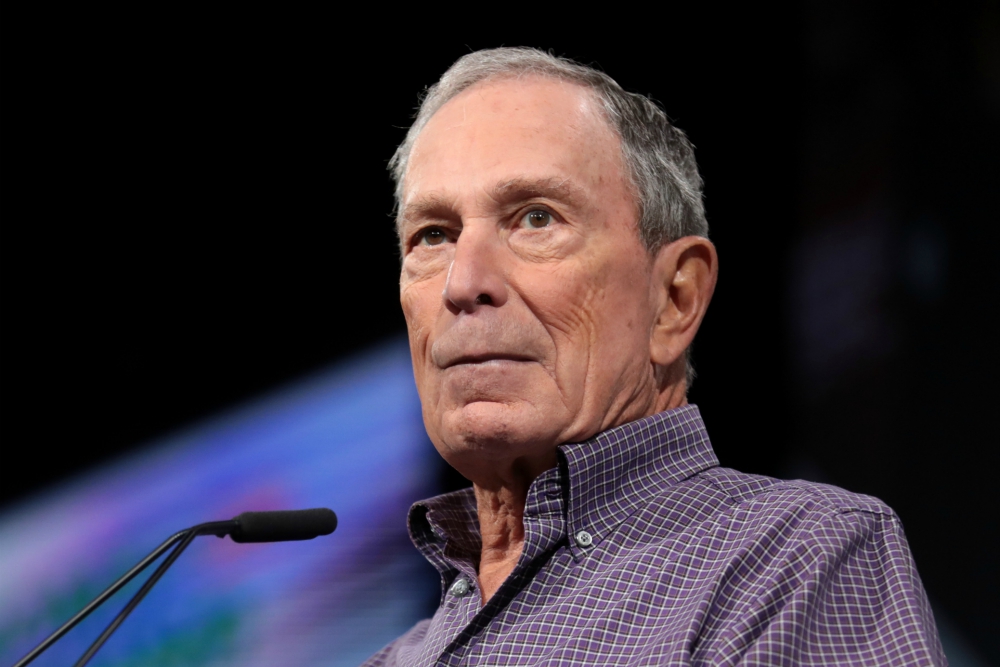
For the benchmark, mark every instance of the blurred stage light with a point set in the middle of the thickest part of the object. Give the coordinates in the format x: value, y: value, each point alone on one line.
x: 350, y: 439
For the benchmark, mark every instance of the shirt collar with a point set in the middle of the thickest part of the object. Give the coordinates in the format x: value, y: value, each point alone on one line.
x: 598, y: 484
x: 618, y: 471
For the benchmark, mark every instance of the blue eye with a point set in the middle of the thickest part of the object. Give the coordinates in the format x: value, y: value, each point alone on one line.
x: 537, y: 219
x: 433, y: 236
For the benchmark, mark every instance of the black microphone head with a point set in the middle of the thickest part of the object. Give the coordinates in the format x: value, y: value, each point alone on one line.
x: 284, y: 525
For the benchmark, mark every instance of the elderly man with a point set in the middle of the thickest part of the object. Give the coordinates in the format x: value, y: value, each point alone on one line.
x: 555, y: 270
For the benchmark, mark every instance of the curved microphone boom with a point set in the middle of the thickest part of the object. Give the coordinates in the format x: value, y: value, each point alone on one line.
x: 278, y: 526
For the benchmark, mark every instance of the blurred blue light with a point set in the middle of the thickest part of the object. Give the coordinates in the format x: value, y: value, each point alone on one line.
x: 350, y: 439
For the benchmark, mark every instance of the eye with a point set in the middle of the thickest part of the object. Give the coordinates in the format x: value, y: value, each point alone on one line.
x: 431, y: 236
x: 536, y: 219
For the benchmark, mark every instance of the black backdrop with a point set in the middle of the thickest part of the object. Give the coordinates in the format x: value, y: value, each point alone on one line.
x: 196, y: 209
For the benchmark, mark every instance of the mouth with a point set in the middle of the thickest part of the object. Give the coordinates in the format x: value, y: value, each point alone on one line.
x: 470, y: 359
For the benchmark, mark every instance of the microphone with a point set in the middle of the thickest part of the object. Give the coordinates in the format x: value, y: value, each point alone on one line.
x: 283, y: 526
x: 249, y: 527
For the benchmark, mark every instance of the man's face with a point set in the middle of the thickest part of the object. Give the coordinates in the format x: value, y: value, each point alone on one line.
x: 525, y: 286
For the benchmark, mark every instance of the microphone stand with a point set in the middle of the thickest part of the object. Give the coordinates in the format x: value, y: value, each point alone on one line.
x: 181, y: 539
x: 276, y: 526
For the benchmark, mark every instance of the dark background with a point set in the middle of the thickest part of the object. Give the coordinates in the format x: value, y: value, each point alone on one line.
x: 195, y: 209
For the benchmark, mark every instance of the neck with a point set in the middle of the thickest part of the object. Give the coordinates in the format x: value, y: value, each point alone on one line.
x: 500, y: 502
x: 501, y: 513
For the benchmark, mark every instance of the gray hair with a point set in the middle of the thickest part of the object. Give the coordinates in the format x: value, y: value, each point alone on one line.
x: 658, y: 157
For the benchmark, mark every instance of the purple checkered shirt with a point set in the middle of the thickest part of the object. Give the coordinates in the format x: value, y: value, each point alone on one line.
x: 640, y: 550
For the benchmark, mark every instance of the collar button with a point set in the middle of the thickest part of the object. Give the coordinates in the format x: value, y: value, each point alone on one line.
x: 460, y: 588
x: 584, y: 539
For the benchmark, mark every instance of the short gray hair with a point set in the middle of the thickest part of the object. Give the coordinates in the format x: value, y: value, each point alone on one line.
x: 658, y: 157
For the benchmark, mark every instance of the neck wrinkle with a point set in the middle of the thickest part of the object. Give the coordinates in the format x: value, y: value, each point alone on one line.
x: 501, y: 522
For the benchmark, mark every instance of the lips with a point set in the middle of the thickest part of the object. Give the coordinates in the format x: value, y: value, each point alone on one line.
x: 483, y: 358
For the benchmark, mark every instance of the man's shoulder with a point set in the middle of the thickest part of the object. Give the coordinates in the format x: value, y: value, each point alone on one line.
x: 750, y: 507
x: 762, y: 524
x: 744, y: 489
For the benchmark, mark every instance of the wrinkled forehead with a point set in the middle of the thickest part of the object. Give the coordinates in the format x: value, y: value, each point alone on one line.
x: 528, y: 127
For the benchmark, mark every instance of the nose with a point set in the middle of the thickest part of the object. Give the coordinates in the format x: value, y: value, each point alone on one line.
x: 475, y: 277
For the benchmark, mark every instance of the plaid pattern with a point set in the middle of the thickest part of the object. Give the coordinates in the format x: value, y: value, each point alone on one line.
x: 687, y: 564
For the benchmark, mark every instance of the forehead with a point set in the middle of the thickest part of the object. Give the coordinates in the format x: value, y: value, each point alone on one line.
x: 529, y: 128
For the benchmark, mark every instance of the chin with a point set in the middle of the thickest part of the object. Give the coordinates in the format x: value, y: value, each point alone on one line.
x: 502, y: 429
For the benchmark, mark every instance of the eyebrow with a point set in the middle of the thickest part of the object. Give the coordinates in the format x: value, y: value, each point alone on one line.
x: 432, y: 205
x: 504, y: 194
x: 518, y: 189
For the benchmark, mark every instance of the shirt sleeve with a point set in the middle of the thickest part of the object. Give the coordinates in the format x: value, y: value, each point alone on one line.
x: 847, y: 593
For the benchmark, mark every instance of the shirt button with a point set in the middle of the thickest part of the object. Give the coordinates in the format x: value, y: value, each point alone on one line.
x: 584, y: 539
x: 460, y: 588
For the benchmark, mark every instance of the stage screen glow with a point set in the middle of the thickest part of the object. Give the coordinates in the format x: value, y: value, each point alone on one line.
x: 350, y: 439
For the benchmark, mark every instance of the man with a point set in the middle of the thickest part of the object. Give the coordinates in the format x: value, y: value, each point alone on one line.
x: 556, y: 268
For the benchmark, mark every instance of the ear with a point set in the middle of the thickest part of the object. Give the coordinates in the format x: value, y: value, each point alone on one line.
x: 684, y: 275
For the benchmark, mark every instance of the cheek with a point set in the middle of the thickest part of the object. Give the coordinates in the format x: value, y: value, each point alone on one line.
x: 419, y: 315
x: 421, y: 283
x: 424, y: 263
x: 623, y: 317
x: 568, y: 299
x: 601, y: 305
x: 421, y: 303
